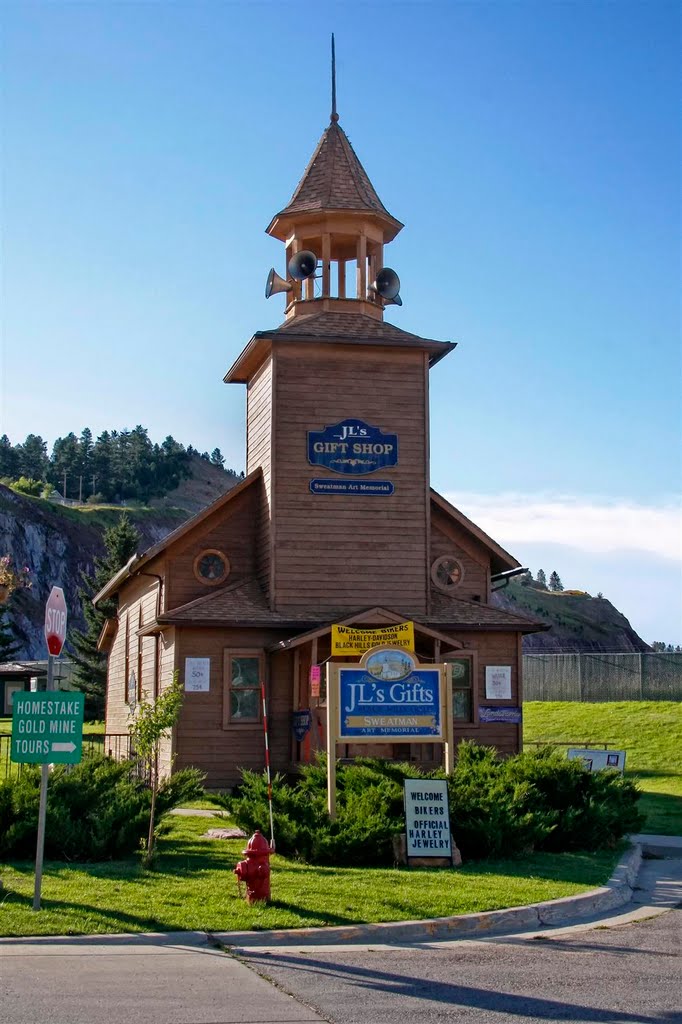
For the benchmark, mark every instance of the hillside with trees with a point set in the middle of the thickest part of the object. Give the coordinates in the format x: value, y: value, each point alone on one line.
x: 117, y: 466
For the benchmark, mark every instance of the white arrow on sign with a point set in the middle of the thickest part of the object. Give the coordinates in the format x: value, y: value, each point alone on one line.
x: 64, y: 746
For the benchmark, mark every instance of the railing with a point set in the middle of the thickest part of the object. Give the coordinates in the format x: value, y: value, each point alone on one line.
x: 114, y: 744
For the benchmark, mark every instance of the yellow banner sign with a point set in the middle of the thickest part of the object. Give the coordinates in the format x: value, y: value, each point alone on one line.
x: 348, y: 640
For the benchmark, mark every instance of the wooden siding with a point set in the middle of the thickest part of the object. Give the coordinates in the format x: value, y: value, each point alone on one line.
x: 231, y: 529
x: 448, y: 539
x: 130, y: 652
x: 494, y: 649
x: 202, y: 740
x: 259, y: 432
x: 474, y: 585
x: 349, y: 550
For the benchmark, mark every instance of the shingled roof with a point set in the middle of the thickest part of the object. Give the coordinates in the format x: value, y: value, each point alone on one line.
x: 328, y: 328
x: 335, y: 180
x: 245, y: 604
x: 345, y: 325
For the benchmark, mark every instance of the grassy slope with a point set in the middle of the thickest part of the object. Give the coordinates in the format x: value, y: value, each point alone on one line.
x: 193, y: 887
x: 649, y: 731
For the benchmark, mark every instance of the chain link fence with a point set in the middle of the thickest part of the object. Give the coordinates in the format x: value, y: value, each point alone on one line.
x: 599, y: 677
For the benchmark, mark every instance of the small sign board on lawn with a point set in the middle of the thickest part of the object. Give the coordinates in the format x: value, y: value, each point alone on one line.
x: 47, y: 728
x: 427, y: 818
x: 595, y: 760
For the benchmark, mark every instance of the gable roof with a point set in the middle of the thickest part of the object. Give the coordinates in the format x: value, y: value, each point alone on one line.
x: 500, y: 559
x: 137, y: 562
x: 335, y: 180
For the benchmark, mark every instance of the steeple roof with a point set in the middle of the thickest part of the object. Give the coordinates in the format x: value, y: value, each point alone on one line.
x: 335, y: 180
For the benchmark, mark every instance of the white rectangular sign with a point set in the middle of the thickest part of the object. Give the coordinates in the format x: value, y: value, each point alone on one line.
x: 427, y: 818
x: 498, y: 682
x: 197, y: 675
x: 595, y: 760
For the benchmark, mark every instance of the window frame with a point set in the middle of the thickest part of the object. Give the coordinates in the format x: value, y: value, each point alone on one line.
x: 229, y: 654
x: 473, y: 689
x: 226, y: 565
x: 447, y: 588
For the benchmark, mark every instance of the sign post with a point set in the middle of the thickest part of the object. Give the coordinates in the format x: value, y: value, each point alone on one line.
x: 47, y: 729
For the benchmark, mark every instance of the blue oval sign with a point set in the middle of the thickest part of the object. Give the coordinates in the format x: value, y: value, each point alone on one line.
x: 352, y: 447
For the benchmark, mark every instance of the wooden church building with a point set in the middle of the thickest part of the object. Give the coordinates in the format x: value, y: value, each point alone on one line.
x: 335, y: 521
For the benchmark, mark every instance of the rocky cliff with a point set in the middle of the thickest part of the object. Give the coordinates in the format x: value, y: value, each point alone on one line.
x: 57, y: 544
x: 579, y: 621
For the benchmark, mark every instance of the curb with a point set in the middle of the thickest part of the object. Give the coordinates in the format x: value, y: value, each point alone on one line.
x: 616, y: 893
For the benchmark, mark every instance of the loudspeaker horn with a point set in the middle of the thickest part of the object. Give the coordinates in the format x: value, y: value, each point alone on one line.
x: 302, y: 265
x: 387, y: 285
x: 275, y: 284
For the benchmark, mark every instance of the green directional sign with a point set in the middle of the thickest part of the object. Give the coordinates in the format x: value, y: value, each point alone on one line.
x: 47, y: 728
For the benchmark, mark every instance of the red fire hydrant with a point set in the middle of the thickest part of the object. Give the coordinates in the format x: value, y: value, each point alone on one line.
x: 255, y: 870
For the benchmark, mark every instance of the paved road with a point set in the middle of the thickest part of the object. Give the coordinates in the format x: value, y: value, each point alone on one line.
x: 630, y: 974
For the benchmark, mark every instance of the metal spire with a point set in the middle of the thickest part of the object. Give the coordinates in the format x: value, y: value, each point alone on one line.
x: 334, y: 115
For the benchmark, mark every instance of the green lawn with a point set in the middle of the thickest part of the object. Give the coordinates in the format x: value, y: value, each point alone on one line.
x: 649, y: 731
x: 194, y: 887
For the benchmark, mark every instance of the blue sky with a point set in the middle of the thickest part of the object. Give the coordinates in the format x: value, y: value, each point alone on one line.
x: 533, y: 152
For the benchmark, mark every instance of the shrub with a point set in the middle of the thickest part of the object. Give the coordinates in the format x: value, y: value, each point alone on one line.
x: 369, y: 811
x: 96, y: 811
x: 24, y: 485
x: 498, y: 807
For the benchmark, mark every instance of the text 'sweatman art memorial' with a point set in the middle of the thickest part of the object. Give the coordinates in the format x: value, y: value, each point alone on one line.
x: 333, y: 573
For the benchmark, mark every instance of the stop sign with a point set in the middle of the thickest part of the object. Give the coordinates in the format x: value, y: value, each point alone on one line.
x: 55, y: 621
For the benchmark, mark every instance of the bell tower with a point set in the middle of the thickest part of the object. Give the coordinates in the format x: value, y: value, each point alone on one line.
x: 337, y: 405
x: 335, y: 220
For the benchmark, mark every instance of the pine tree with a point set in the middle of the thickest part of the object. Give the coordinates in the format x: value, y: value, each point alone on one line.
x: 8, y: 642
x: 217, y: 458
x: 33, y: 460
x: 90, y: 676
x: 540, y: 578
x: 9, y: 458
x: 555, y: 583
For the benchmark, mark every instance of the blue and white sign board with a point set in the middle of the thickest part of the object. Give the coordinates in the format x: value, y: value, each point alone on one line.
x: 427, y: 818
x: 595, y: 760
x: 390, y: 697
x: 360, y: 487
x: 352, y: 447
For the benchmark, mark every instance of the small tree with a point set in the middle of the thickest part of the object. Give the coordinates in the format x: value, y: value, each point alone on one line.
x: 555, y: 583
x: 152, y: 722
x: 217, y: 458
x: 541, y: 579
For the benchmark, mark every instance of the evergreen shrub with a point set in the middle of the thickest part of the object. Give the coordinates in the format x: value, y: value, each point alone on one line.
x: 499, y: 807
x: 96, y: 811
